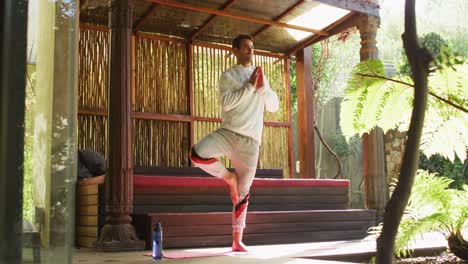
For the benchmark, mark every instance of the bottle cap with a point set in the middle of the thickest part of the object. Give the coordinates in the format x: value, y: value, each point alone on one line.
x: 157, y: 227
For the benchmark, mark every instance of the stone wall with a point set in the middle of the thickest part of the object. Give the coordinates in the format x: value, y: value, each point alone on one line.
x: 394, y: 149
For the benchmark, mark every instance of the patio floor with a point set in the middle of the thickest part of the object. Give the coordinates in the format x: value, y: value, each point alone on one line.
x: 353, y: 251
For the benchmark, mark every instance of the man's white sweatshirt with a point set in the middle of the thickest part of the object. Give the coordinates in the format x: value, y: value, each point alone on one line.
x: 242, y: 106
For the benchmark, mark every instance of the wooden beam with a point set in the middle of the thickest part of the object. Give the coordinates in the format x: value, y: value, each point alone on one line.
x: 161, y: 38
x: 89, y: 111
x: 360, y: 6
x: 94, y: 27
x: 163, y: 117
x: 225, y: 47
x: 305, y: 102
x: 276, y: 124
x: 189, y: 78
x: 315, y: 38
x: 287, y: 11
x: 292, y: 165
x: 210, y: 20
x: 237, y: 16
x: 140, y: 20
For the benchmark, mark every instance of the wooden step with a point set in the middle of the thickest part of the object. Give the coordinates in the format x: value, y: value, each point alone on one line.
x: 214, y: 229
x: 191, y: 194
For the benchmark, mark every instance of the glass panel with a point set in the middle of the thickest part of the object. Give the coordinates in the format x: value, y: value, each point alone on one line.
x: 50, y: 132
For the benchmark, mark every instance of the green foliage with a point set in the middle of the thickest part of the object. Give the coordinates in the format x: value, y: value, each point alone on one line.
x: 453, y: 170
x: 315, y: 55
x: 328, y: 73
x: 344, y: 149
x: 377, y: 101
x: 370, y: 102
x: 28, y: 182
x: 433, y: 206
x: 433, y: 42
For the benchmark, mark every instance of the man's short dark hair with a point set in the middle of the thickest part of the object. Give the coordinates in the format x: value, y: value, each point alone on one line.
x: 236, y: 42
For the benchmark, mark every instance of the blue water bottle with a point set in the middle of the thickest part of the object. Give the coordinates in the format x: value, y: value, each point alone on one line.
x: 158, y: 242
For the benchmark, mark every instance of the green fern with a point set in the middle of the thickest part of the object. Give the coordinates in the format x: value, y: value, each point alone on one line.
x: 371, y: 99
x: 432, y: 207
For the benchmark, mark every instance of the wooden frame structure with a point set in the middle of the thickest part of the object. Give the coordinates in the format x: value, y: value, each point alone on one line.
x: 124, y: 34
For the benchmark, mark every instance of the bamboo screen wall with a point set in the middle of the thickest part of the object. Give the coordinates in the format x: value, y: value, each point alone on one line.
x: 161, y: 138
x: 171, y: 111
x: 93, y: 63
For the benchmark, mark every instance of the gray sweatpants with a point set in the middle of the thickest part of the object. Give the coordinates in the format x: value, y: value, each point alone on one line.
x: 243, y: 153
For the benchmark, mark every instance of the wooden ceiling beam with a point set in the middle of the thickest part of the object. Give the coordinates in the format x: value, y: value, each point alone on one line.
x: 315, y: 38
x: 210, y: 20
x: 361, y: 6
x: 238, y: 16
x: 140, y: 20
x: 286, y: 12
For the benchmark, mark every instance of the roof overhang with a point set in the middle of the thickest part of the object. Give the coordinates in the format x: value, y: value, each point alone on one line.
x: 278, y: 26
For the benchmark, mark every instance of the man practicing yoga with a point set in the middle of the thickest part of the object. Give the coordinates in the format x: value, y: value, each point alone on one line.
x: 244, y: 93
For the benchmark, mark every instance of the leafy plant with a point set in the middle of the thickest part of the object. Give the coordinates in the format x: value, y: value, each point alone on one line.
x: 28, y: 185
x: 455, y: 171
x: 433, y: 42
x: 372, y: 99
x: 433, y: 206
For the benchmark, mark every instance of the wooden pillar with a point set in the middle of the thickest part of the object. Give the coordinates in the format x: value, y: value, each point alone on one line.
x: 189, y: 79
x: 375, y: 187
x: 305, y: 101
x: 118, y: 234
x: 287, y: 77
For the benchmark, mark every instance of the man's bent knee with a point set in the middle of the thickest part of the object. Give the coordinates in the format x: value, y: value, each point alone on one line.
x: 195, y: 158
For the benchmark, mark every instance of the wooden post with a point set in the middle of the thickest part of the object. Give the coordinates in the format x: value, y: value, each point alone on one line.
x: 189, y: 73
x: 118, y: 234
x: 287, y: 77
x: 375, y: 187
x: 305, y: 101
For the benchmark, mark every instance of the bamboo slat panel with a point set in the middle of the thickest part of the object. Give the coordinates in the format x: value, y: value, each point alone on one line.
x: 274, y: 151
x: 160, y: 77
x: 161, y: 143
x: 160, y: 86
x: 92, y: 133
x: 93, y: 64
x: 208, y: 64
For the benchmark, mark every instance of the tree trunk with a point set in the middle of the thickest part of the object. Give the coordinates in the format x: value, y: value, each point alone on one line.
x: 419, y: 59
x: 458, y: 245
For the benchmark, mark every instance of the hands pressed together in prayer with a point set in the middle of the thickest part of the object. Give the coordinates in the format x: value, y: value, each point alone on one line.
x: 257, y: 78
